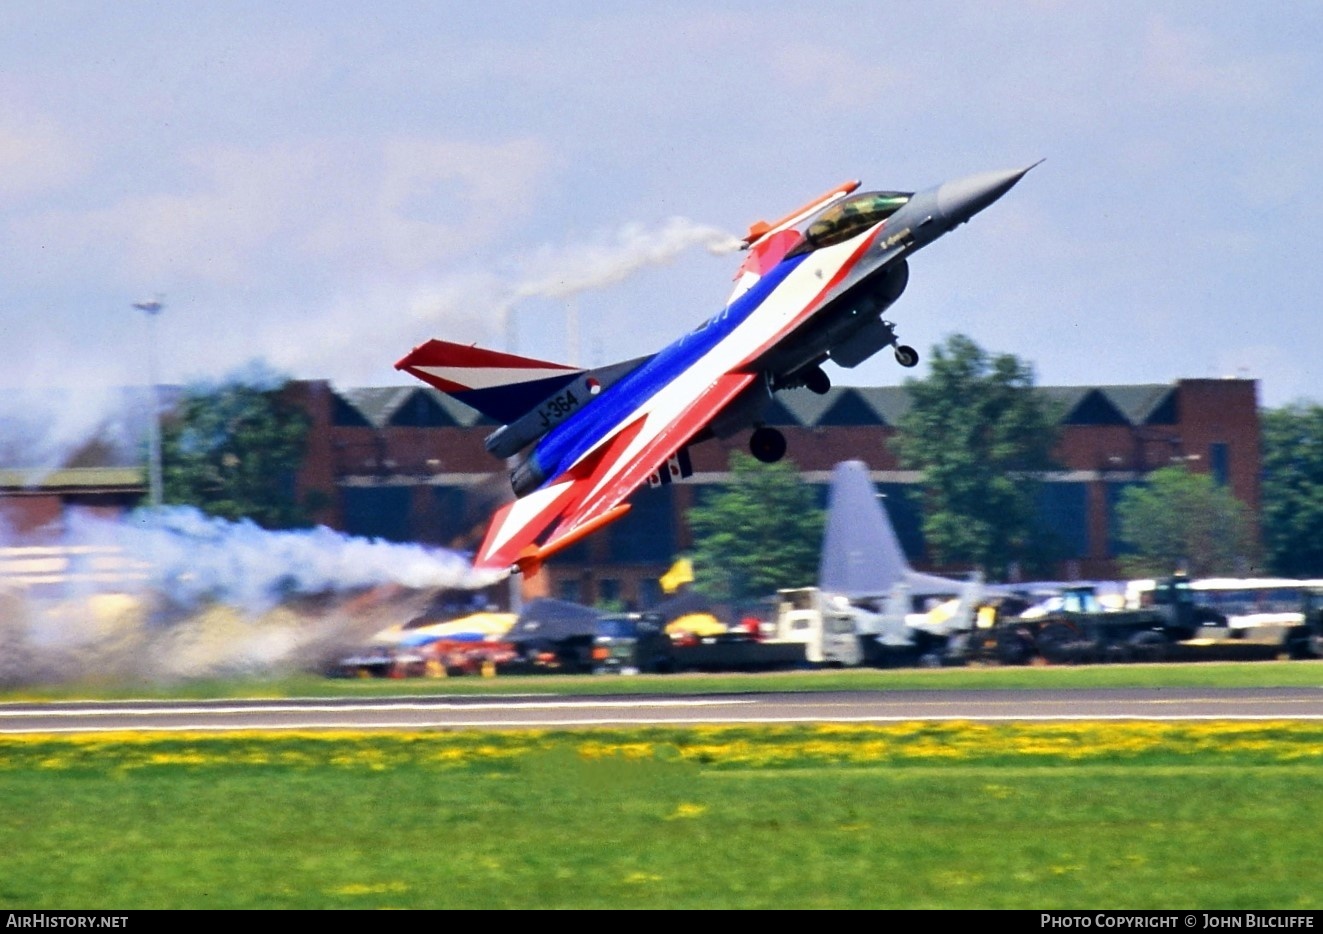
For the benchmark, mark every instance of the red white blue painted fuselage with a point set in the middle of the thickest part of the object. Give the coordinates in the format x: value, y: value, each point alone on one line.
x: 812, y: 288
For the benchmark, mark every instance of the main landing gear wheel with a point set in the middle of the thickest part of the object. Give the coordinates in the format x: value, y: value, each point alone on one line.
x: 817, y: 381
x: 906, y: 356
x: 767, y: 444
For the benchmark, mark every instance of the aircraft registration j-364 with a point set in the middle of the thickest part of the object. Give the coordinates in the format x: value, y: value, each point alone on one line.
x: 812, y: 288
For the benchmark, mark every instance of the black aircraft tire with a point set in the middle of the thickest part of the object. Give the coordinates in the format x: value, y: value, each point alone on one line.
x: 768, y: 445
x: 907, y: 356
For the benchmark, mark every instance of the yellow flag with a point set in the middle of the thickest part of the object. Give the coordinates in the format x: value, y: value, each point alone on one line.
x: 682, y: 572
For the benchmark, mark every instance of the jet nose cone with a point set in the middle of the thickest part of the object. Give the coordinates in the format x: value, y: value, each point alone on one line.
x: 961, y: 199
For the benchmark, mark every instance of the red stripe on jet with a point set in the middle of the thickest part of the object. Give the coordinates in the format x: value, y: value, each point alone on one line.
x: 811, y: 306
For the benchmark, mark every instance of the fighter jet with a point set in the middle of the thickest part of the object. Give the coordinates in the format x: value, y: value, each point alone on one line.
x: 813, y: 287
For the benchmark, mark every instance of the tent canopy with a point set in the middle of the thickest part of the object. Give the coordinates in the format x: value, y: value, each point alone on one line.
x: 547, y: 619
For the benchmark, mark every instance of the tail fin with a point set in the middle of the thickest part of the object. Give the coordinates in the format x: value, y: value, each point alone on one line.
x: 860, y: 552
x: 501, y: 386
x: 861, y: 555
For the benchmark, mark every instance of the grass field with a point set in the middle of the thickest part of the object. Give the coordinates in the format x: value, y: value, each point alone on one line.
x: 951, y: 815
x: 956, y: 815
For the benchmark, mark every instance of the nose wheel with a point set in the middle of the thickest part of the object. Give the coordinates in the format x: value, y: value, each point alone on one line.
x: 906, y: 355
x: 767, y: 444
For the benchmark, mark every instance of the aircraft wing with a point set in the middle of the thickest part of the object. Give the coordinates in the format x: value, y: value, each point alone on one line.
x: 592, y: 491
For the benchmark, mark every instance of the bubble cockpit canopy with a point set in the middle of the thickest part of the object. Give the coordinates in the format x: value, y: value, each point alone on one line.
x: 853, y: 215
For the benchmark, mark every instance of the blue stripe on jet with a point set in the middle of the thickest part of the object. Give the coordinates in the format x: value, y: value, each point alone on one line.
x: 573, y: 438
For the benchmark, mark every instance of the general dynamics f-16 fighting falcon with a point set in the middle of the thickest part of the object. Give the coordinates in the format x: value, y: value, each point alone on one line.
x: 812, y: 288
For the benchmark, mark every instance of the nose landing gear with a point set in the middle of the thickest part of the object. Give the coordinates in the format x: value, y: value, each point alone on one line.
x: 906, y: 355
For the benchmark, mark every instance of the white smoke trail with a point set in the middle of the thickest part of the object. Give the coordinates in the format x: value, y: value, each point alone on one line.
x: 237, y: 578
x: 172, y: 593
x: 195, y: 558
x: 119, y: 639
x: 560, y: 273
x: 42, y: 430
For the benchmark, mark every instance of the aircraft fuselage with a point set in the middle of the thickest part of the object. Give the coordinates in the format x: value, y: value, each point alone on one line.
x: 822, y: 300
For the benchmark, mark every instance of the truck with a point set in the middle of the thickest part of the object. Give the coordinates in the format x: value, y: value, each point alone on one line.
x: 620, y: 643
x: 630, y: 643
x: 841, y: 632
x: 737, y: 650
x: 577, y: 640
x: 1166, y: 619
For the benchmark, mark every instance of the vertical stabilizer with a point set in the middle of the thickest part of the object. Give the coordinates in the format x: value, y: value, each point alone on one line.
x: 861, y: 555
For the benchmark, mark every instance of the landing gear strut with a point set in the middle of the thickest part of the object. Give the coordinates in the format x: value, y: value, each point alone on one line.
x: 906, y: 355
x: 767, y: 444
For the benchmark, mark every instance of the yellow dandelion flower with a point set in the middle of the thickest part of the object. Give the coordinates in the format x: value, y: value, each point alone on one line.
x: 377, y: 888
x: 686, y: 810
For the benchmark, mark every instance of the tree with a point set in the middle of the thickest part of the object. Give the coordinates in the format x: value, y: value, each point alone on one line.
x: 1183, y: 521
x: 233, y: 451
x: 980, y: 435
x: 1291, y: 510
x: 760, y: 533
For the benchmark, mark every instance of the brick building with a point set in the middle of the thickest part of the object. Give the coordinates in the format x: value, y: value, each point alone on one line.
x: 408, y: 464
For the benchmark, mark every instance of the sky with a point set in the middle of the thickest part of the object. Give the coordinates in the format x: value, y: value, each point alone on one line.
x: 322, y: 186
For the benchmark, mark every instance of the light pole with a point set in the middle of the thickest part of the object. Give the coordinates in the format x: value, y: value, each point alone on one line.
x: 153, y: 308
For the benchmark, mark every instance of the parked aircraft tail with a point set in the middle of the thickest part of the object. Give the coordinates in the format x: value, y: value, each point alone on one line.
x: 861, y: 555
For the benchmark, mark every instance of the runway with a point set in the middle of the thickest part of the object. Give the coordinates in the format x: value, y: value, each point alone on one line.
x: 538, y: 711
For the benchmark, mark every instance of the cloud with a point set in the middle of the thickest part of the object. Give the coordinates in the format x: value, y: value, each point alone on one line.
x: 1189, y: 63
x: 244, y: 216
x: 36, y: 156
x: 356, y: 337
x: 836, y: 77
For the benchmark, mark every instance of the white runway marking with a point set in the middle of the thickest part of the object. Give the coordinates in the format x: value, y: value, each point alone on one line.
x: 317, y: 726
x: 362, y: 708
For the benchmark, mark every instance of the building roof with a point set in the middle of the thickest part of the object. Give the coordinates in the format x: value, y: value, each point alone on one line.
x: 419, y: 406
x: 115, y: 437
x: 841, y: 406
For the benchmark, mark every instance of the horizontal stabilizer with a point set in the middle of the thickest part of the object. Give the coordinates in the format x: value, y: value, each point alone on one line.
x: 502, y: 386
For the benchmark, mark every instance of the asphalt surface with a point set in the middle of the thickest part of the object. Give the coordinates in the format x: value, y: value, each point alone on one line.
x: 548, y: 711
